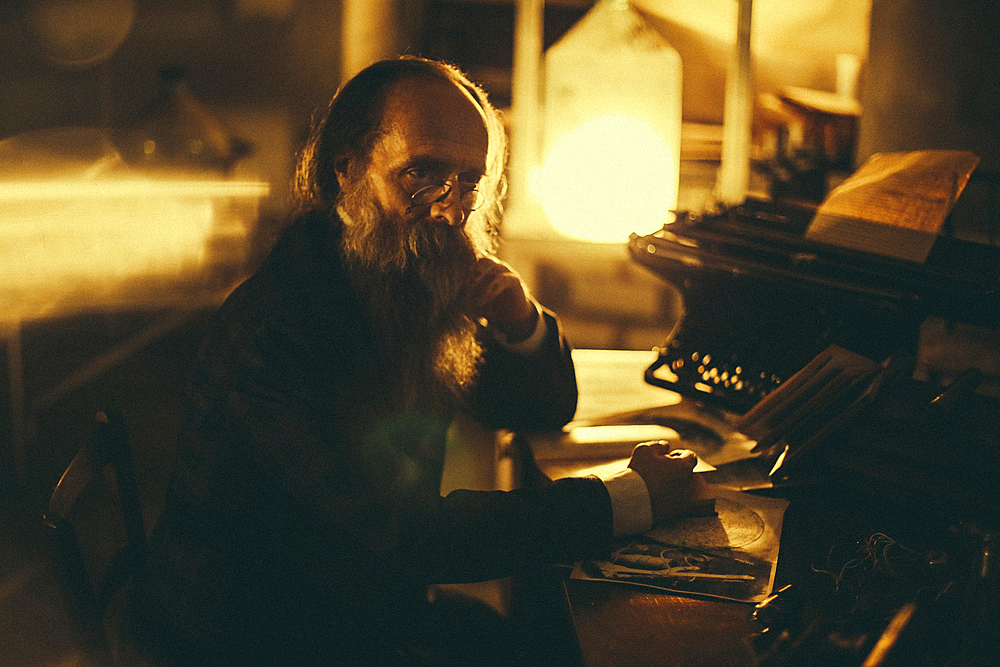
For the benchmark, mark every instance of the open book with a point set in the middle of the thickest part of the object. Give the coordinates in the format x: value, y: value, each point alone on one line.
x: 895, y: 204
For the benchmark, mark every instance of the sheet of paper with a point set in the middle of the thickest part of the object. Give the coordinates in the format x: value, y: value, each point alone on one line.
x: 685, y: 424
x: 732, y: 555
x: 612, y: 381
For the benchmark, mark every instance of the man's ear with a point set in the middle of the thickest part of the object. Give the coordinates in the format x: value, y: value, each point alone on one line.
x: 340, y: 168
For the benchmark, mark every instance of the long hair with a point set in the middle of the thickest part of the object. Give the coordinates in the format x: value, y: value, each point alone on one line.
x: 342, y: 138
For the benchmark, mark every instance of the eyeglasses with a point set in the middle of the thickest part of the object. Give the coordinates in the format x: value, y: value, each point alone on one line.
x: 471, y: 198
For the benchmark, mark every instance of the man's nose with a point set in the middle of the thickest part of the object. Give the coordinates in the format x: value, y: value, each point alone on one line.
x: 449, y: 209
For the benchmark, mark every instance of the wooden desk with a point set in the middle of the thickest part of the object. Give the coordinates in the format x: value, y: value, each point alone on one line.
x: 834, y: 518
x: 619, y: 625
x: 829, y: 517
x: 623, y: 625
x: 605, y: 624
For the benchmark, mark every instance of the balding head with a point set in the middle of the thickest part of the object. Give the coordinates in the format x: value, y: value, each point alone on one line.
x: 343, y: 138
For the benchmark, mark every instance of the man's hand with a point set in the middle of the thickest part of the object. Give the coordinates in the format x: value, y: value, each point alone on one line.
x: 674, y: 489
x: 500, y: 297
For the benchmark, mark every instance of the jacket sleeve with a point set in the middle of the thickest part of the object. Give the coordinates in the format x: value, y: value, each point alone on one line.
x: 307, y: 437
x: 526, y: 392
x: 477, y: 535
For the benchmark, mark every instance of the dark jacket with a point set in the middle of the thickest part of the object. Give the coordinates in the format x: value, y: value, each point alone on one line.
x: 304, y: 517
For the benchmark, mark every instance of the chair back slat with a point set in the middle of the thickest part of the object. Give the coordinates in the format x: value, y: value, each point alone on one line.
x: 70, y: 563
x: 108, y: 448
x: 77, y: 477
x: 118, y: 451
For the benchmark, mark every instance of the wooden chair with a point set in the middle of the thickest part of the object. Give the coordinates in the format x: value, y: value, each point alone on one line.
x: 95, y: 577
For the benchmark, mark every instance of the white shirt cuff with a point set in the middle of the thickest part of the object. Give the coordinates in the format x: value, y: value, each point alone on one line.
x: 631, y: 509
x: 532, y: 343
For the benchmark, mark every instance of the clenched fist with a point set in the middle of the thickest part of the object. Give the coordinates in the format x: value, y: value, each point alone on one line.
x: 500, y: 297
x: 674, y: 488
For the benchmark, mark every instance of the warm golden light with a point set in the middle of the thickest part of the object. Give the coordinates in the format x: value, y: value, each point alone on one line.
x: 110, y: 190
x: 86, y: 238
x: 611, y: 176
x: 611, y: 127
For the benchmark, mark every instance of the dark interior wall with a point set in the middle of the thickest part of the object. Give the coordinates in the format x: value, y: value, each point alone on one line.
x: 232, y: 58
x: 933, y: 82
x: 933, y: 78
x: 260, y: 67
x: 479, y: 37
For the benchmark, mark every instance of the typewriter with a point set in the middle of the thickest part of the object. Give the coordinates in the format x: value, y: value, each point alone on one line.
x: 761, y: 301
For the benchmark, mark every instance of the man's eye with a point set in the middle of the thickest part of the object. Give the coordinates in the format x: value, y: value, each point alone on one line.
x: 419, y: 176
x: 470, y: 180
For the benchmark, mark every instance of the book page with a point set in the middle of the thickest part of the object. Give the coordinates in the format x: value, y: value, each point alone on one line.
x: 895, y: 204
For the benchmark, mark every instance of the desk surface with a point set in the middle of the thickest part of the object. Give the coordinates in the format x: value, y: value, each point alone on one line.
x: 826, y: 524
x: 624, y: 625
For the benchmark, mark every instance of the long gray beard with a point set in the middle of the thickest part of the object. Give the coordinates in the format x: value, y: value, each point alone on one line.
x: 415, y: 281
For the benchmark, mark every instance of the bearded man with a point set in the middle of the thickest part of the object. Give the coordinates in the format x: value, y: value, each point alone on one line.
x: 304, y: 520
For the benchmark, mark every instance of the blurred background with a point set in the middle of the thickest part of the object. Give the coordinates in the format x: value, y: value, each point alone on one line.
x: 146, y: 149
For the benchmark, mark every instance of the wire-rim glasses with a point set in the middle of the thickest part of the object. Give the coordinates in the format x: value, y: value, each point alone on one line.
x: 471, y: 198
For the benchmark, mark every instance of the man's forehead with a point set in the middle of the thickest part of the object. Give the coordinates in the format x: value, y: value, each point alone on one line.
x: 427, y: 113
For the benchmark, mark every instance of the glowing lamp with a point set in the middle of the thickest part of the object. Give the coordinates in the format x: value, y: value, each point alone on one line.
x: 610, y: 169
x: 612, y: 126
